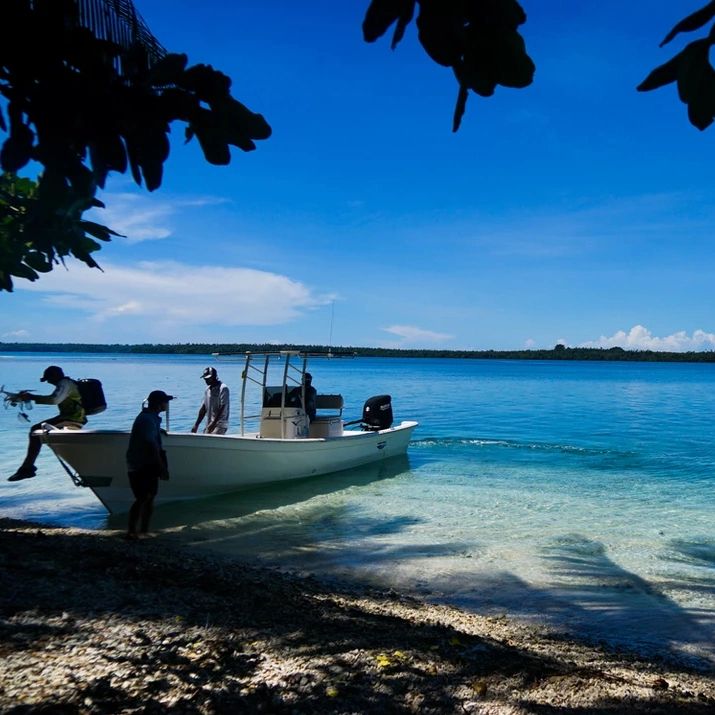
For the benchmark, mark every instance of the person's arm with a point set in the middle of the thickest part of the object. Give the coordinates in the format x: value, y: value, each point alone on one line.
x: 163, y: 471
x: 202, y: 414
x: 61, y: 392
x: 156, y: 450
x: 310, y: 396
x: 216, y: 419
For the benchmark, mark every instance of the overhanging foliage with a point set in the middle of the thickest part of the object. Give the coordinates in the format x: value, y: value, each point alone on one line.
x: 478, y: 39
x: 89, y: 90
x: 690, y: 69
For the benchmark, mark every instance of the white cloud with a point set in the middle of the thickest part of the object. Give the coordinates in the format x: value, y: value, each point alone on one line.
x: 412, y: 335
x: 132, y: 306
x: 169, y: 292
x: 529, y: 344
x: 143, y: 217
x: 16, y: 334
x: 640, y: 338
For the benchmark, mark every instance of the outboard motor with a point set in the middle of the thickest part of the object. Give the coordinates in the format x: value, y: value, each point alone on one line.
x: 377, y: 413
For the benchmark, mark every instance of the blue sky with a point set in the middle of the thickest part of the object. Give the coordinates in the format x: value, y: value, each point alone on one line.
x: 576, y: 210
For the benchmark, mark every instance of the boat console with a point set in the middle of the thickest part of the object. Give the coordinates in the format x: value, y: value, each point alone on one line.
x: 328, y: 423
x: 280, y: 419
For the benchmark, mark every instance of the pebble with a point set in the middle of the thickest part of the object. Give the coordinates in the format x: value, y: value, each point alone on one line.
x: 106, y: 627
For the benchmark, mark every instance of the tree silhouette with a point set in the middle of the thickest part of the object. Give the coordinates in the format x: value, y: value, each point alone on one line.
x: 103, y: 92
x: 100, y: 97
x: 478, y: 40
x: 690, y: 69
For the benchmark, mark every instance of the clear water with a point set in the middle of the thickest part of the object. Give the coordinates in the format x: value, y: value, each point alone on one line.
x: 576, y: 494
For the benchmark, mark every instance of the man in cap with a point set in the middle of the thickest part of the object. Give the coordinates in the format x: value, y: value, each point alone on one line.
x: 67, y: 398
x: 146, y: 461
x: 310, y: 395
x: 295, y: 396
x: 215, y: 405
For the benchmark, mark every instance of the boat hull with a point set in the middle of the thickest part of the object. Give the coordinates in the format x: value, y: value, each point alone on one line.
x: 208, y: 465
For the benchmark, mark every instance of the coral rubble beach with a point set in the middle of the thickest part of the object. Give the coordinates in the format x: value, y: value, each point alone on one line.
x: 93, y: 624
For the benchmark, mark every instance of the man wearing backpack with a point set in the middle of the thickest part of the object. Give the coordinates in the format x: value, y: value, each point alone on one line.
x: 67, y: 398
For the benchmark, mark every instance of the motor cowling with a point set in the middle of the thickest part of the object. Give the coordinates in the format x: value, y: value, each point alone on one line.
x: 377, y: 413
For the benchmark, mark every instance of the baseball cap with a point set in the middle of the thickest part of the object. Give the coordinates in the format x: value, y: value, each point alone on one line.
x: 50, y: 371
x: 157, y: 396
x: 209, y: 372
x: 308, y: 376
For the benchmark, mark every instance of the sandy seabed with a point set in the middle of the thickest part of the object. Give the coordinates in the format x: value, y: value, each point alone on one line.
x: 90, y: 623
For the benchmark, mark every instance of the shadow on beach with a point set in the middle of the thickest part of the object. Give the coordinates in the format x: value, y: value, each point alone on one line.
x: 92, y: 624
x: 587, y: 594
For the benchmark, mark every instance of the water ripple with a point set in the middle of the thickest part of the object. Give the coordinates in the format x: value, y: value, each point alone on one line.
x: 457, y: 442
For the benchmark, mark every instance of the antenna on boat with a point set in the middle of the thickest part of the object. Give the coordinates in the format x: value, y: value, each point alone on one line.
x: 330, y: 342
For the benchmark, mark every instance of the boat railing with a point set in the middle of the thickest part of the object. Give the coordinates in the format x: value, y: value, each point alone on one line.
x: 256, y: 372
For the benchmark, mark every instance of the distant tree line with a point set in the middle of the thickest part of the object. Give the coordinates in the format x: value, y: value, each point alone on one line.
x: 559, y: 352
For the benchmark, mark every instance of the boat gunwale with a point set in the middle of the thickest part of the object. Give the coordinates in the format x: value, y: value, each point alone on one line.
x: 74, y: 434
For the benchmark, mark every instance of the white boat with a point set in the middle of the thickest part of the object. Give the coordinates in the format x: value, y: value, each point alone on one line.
x: 284, y: 445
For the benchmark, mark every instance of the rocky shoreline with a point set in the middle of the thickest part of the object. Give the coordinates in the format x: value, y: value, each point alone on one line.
x: 91, y: 624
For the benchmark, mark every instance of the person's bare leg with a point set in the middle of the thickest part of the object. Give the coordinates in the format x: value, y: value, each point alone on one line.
x: 135, y: 512
x: 33, y: 449
x: 27, y: 468
x: 146, y: 515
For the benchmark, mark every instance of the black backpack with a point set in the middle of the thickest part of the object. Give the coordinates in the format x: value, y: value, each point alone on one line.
x: 92, y: 394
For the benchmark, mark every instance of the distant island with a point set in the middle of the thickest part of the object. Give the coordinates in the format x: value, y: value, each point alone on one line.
x: 558, y: 352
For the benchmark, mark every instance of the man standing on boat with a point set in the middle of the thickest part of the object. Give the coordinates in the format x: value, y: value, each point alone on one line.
x: 67, y: 398
x: 146, y: 461
x: 295, y: 398
x: 215, y: 406
x: 310, y: 395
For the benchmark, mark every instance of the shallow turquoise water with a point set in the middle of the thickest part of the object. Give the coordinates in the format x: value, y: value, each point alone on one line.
x: 577, y: 493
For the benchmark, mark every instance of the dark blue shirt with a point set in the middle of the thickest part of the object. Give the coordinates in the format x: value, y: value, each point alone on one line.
x: 144, y: 441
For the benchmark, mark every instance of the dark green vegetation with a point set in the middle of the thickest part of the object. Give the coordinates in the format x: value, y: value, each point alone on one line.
x: 690, y: 69
x: 558, y: 353
x: 478, y: 40
x: 99, y: 97
x: 103, y: 92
